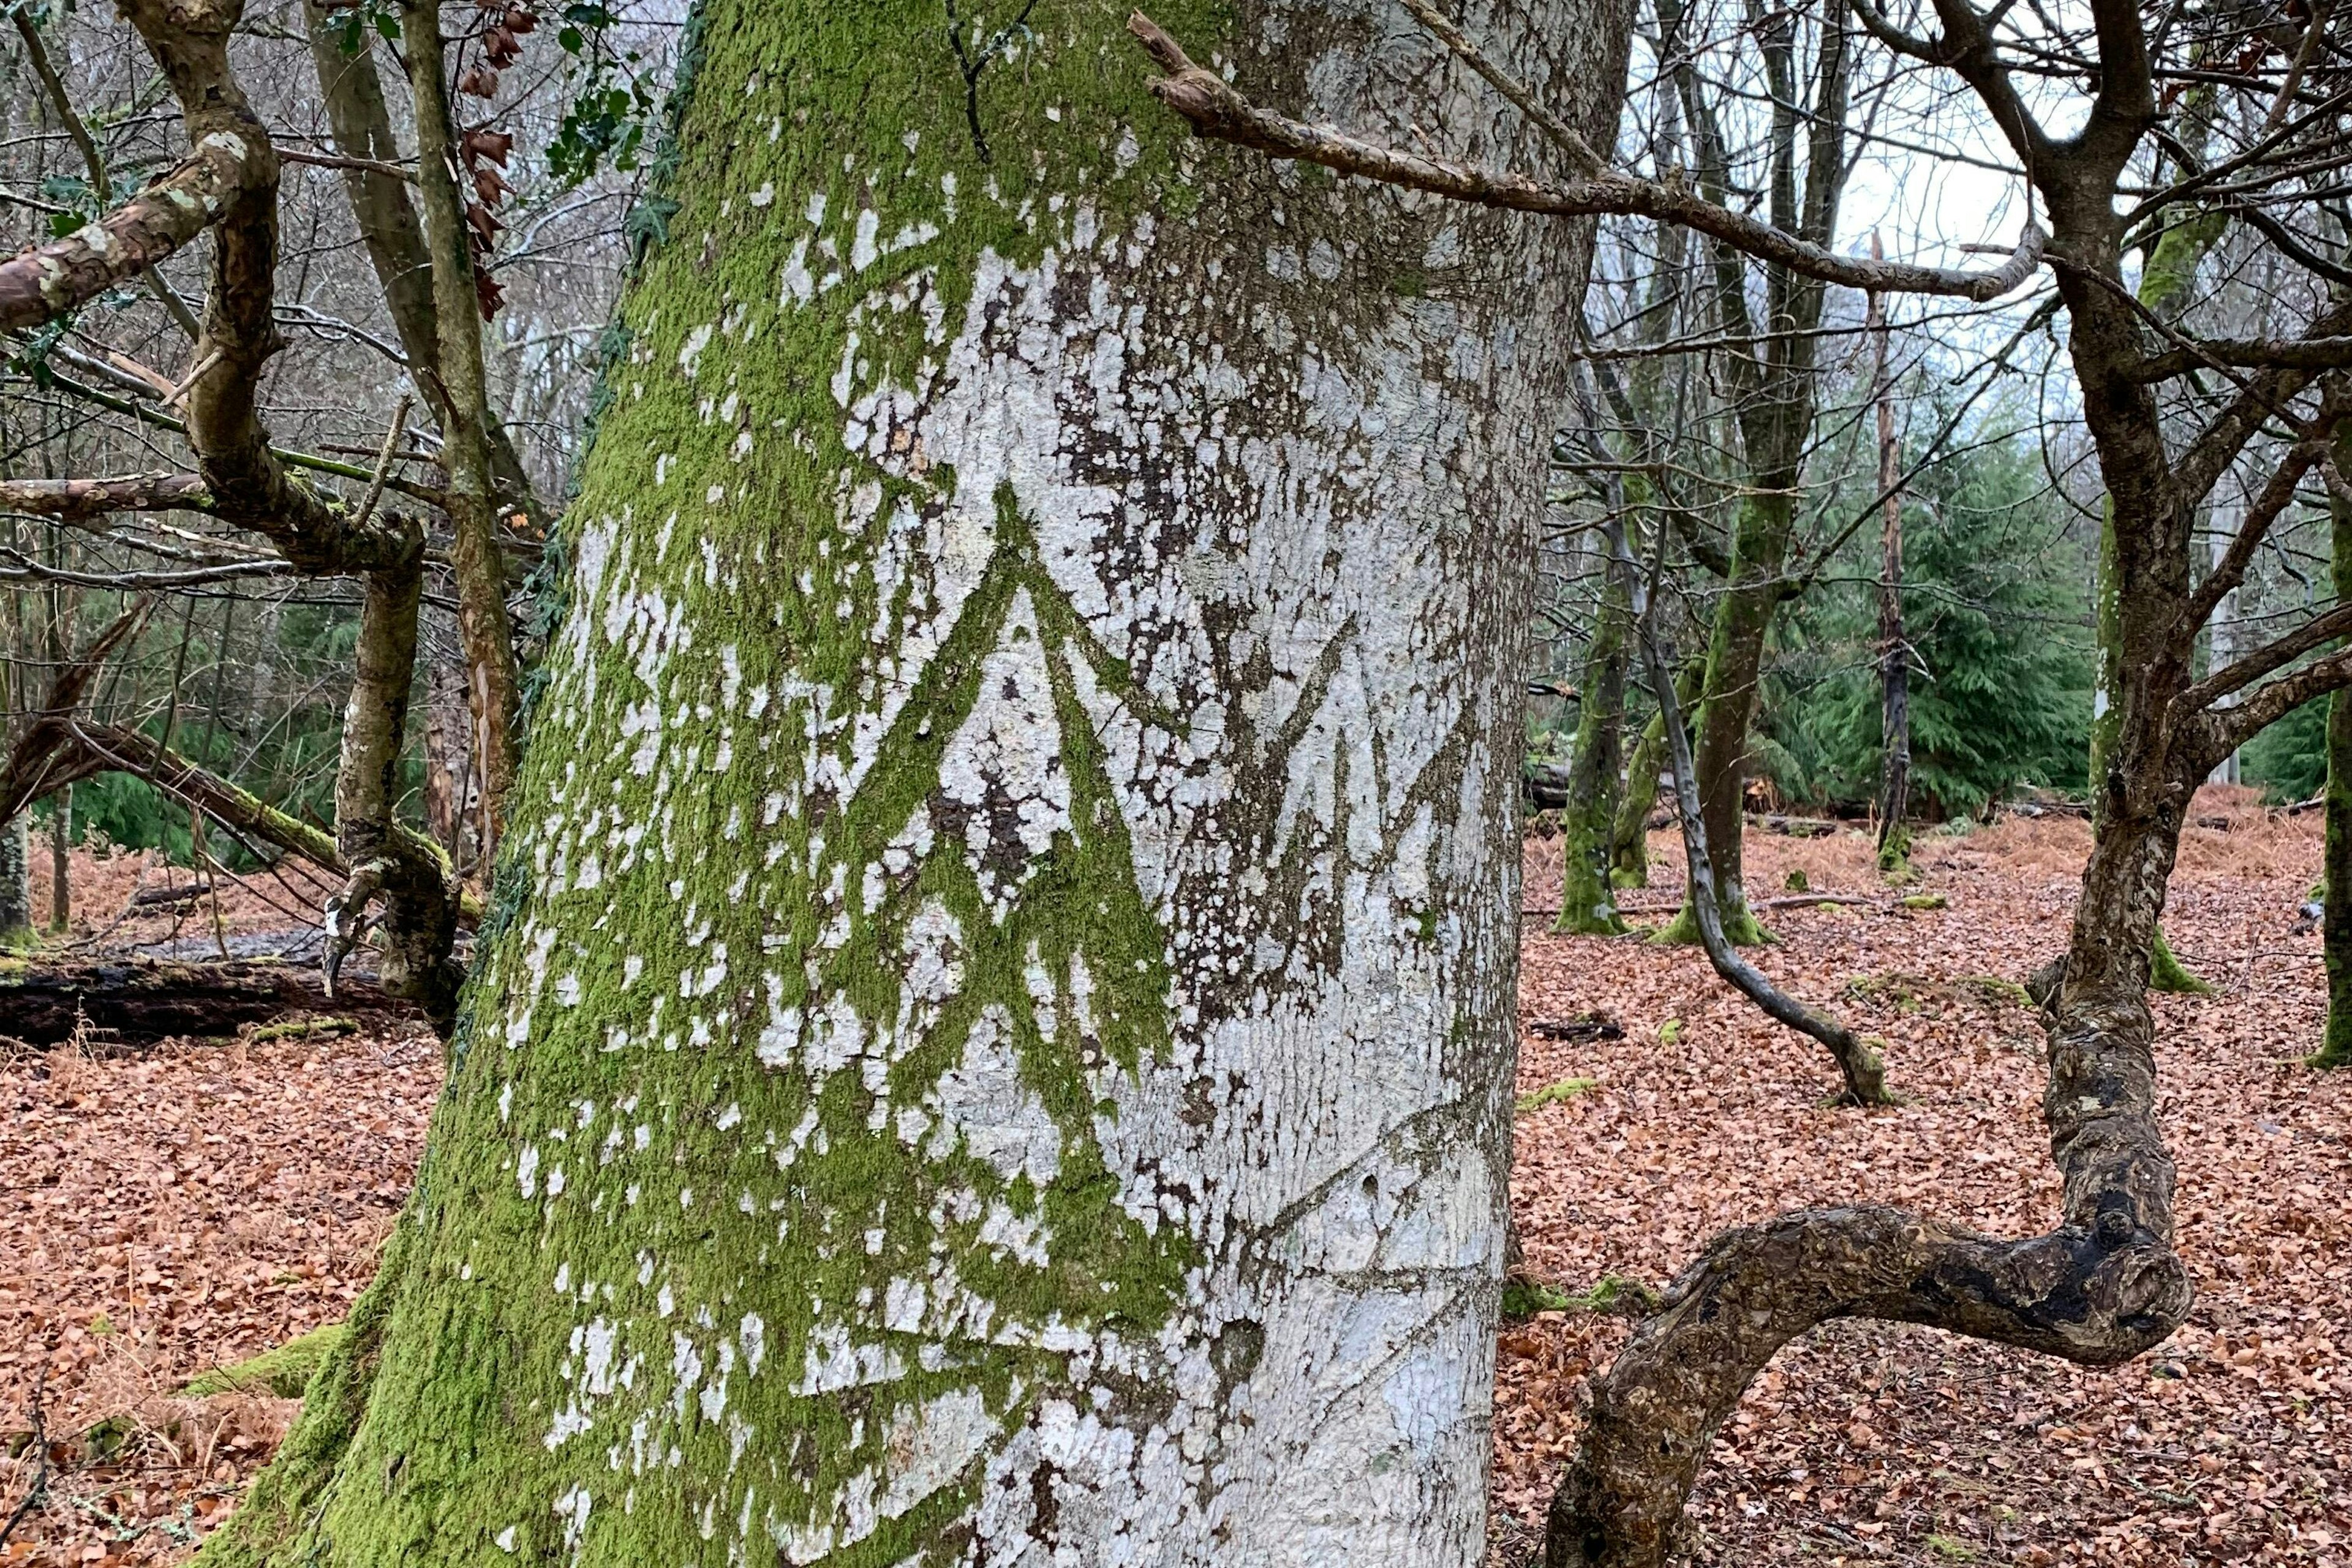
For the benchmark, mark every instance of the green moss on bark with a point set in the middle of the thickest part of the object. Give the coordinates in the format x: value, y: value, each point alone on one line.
x: 618, y: 1223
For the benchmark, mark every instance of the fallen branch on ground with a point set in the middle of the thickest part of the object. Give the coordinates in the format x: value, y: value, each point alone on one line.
x: 138, y: 1001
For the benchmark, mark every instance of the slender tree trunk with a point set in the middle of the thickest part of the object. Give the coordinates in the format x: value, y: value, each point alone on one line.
x: 1629, y: 856
x: 1588, y: 902
x: 351, y: 92
x: 16, y: 880
x: 994, y: 1040
x: 2336, y: 926
x: 1893, y: 649
x: 2166, y: 281
x: 62, y: 806
x: 1629, y: 835
x: 493, y: 682
x: 451, y: 809
x: 1726, y: 715
x: 386, y: 856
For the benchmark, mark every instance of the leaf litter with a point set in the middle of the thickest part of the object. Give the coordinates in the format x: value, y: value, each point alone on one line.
x: 168, y: 1212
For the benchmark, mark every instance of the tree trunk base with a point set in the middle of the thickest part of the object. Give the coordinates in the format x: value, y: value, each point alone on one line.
x: 2167, y: 974
x: 1740, y: 927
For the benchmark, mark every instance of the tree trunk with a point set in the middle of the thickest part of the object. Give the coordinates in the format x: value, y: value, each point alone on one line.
x: 2335, y: 925
x: 16, y: 880
x: 1735, y: 666
x: 493, y: 681
x: 450, y: 798
x: 1894, y: 650
x: 62, y: 806
x: 1629, y: 853
x: 996, y: 1036
x: 2165, y: 284
x: 1588, y: 901
x: 351, y: 93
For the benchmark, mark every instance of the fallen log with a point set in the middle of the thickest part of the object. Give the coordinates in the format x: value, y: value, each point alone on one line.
x: 138, y: 1001
x: 166, y: 897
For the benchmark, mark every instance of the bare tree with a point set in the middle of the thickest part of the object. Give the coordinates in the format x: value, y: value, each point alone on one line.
x: 394, y: 512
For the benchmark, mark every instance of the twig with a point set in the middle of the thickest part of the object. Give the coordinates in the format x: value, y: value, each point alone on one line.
x: 383, y: 461
x: 194, y: 376
x: 337, y: 161
x: 39, y: 1491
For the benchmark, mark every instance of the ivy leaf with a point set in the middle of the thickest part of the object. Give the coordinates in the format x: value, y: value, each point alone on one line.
x: 648, y: 223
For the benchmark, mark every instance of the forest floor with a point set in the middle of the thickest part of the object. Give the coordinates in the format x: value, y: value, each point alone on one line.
x: 179, y: 1208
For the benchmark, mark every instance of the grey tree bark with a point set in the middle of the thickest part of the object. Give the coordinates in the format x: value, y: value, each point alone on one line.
x: 994, y: 1035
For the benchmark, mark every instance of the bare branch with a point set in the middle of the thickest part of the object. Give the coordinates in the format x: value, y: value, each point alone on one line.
x: 25, y: 569
x: 44, y: 282
x: 2230, y: 728
x: 1216, y: 110
x: 2276, y: 496
x: 1864, y: 1074
x: 2247, y: 353
x: 73, y: 500
x: 2276, y: 655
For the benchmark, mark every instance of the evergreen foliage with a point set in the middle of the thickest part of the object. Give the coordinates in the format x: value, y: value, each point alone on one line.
x: 1997, y: 605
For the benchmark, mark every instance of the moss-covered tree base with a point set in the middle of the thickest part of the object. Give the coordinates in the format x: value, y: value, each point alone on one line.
x: 285, y: 1371
x: 1598, y: 919
x: 1895, y: 861
x: 2167, y: 974
x: 1740, y: 927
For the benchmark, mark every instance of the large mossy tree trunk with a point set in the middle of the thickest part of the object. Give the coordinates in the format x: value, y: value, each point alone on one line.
x: 994, y: 1041
x: 1588, y: 898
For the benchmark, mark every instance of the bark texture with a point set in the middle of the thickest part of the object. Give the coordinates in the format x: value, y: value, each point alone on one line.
x: 993, y: 1038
